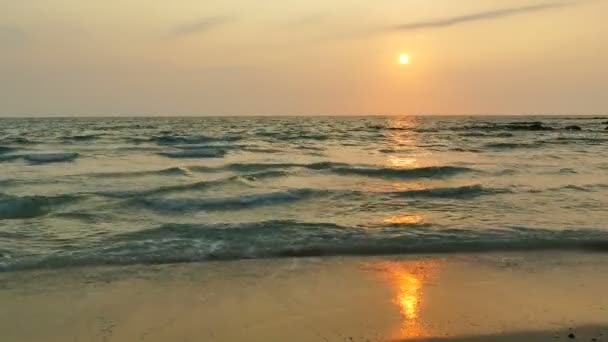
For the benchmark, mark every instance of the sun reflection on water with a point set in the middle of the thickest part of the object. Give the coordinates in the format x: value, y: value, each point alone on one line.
x: 408, y: 280
x: 403, y: 142
x: 406, y: 220
x: 402, y: 163
x: 409, y: 295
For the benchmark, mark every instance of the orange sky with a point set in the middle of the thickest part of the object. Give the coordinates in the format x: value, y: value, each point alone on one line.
x: 246, y: 57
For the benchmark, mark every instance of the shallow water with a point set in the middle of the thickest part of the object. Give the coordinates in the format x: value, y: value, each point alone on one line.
x: 156, y: 190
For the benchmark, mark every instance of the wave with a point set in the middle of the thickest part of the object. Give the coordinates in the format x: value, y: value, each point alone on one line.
x: 582, y: 188
x: 210, y: 146
x: 460, y: 192
x: 282, y: 136
x: 265, y: 175
x: 195, y: 153
x: 263, y: 167
x: 582, y: 118
x: 473, y: 134
x: 18, y: 141
x: 169, y: 188
x: 45, y: 158
x: 583, y: 139
x: 81, y: 137
x: 384, y: 172
x: 228, y: 203
x: 510, y: 126
x: 509, y: 146
x: 172, y: 171
x: 471, y: 150
x: 9, y: 157
x: 190, y: 140
x: 232, y: 203
x: 128, y: 126
x: 487, y: 135
x: 262, y: 150
x: 173, y: 243
x: 6, y: 149
x: 346, y: 169
x: 15, y: 207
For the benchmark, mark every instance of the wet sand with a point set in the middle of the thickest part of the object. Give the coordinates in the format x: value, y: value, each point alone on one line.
x: 484, y: 297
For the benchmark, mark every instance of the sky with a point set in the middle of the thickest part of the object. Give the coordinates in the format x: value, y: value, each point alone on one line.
x: 314, y: 57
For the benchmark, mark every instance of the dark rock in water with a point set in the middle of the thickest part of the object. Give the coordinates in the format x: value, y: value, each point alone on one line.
x: 606, y: 129
x: 571, y: 335
x: 605, y: 123
x: 574, y: 128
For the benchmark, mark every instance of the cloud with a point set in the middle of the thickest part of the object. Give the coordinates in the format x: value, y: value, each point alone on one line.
x: 479, y: 16
x: 199, y: 26
x: 311, y: 19
x: 11, y: 36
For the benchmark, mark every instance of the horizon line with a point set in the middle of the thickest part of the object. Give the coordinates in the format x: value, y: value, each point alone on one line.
x: 165, y: 116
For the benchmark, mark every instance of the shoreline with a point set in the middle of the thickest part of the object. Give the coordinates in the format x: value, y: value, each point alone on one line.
x: 514, y: 296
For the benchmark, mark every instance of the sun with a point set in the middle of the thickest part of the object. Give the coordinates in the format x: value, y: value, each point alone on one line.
x: 404, y: 59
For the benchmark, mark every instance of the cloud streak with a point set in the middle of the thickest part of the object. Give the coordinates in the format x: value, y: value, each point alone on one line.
x: 200, y: 26
x: 479, y: 16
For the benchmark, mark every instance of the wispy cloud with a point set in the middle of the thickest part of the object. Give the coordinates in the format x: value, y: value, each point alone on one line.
x: 12, y: 36
x: 479, y: 16
x: 310, y: 19
x: 201, y: 25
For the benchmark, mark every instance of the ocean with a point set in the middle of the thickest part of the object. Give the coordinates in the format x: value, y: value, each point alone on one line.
x: 120, y: 191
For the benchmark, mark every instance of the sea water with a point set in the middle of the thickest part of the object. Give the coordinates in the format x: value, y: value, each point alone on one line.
x: 99, y: 191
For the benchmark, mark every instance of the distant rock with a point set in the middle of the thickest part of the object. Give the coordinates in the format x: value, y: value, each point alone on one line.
x: 574, y: 128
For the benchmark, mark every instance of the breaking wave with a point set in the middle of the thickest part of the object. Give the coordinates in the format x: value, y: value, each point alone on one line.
x: 347, y: 169
x: 173, y: 243
x: 21, y: 207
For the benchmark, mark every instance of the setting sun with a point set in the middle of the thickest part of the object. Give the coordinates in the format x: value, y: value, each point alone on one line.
x: 404, y: 59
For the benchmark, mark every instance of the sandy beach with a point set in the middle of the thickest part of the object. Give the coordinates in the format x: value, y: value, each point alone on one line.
x: 491, y: 297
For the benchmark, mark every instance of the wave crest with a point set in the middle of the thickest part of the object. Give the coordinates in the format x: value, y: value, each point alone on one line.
x: 15, y: 207
x: 286, y: 238
x: 228, y: 203
x: 347, y: 169
x: 46, y: 158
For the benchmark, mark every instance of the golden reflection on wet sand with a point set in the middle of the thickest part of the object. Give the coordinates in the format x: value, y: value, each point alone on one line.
x: 408, y: 280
